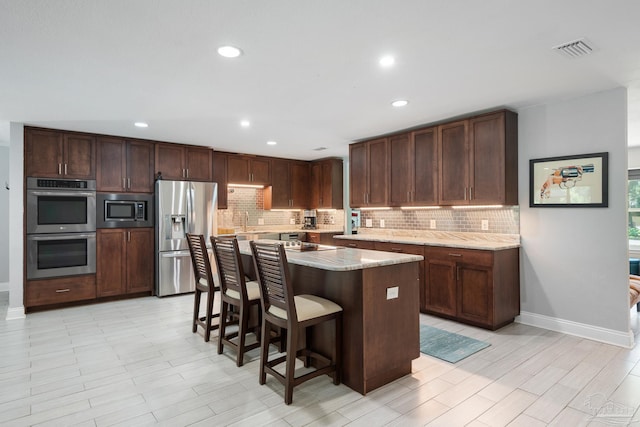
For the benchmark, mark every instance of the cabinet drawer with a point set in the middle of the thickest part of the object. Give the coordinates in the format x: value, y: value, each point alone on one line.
x: 64, y: 289
x: 401, y: 248
x: 357, y: 244
x: 471, y: 256
x: 313, y: 237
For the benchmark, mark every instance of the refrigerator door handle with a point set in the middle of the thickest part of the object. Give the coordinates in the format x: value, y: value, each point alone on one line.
x: 175, y: 254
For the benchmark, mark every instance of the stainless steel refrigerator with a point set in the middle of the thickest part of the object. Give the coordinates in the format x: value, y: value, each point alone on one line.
x: 181, y: 207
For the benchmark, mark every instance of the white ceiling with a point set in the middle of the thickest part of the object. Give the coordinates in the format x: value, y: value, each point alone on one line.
x: 309, y: 76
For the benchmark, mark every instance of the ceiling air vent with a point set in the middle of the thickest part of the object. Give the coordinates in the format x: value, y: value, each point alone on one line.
x: 320, y: 149
x: 574, y: 49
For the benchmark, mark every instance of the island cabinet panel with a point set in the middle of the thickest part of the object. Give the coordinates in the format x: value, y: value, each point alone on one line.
x: 182, y: 162
x: 220, y: 177
x: 124, y: 261
x: 124, y: 166
x: 408, y: 249
x: 326, y: 184
x: 60, y: 290
x: 478, y: 287
x: 245, y: 169
x: 54, y: 154
x: 369, y: 173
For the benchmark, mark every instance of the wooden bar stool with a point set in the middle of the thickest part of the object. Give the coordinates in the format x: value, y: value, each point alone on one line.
x: 294, y: 314
x: 236, y: 294
x: 204, y: 284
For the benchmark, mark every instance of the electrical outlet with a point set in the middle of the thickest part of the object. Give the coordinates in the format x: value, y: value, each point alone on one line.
x: 292, y: 221
x: 260, y: 221
x: 382, y: 223
x: 392, y: 293
x: 432, y: 224
x: 485, y: 224
x: 332, y: 220
x: 368, y: 222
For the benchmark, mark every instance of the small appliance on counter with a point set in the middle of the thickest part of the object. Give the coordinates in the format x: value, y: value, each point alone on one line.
x: 310, y: 220
x: 355, y: 221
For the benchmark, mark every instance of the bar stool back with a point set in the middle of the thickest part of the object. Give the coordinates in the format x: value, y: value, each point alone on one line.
x: 204, y: 284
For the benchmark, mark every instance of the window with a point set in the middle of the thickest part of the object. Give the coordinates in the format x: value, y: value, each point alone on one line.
x: 634, y: 204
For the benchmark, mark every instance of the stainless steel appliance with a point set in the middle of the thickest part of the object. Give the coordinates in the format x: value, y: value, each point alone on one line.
x: 61, y: 227
x: 60, y: 254
x: 117, y: 210
x: 61, y: 205
x: 310, y: 220
x: 181, y: 207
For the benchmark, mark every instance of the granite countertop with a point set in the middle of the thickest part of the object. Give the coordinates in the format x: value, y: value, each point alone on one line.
x: 336, y: 258
x: 485, y: 241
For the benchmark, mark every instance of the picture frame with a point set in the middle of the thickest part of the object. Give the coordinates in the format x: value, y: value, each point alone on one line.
x: 576, y: 181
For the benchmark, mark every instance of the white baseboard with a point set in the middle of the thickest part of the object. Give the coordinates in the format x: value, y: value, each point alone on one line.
x: 608, y: 336
x: 4, y: 286
x: 14, y: 313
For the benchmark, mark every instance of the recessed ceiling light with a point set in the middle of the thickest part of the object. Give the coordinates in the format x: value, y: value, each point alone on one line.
x: 400, y: 103
x: 387, y: 61
x: 229, y: 51
x: 245, y: 123
x: 271, y: 143
x: 141, y: 125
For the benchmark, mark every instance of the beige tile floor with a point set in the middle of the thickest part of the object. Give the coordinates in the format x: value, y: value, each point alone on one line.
x: 136, y: 363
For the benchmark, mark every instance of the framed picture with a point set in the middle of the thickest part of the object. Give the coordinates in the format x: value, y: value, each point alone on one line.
x: 569, y: 181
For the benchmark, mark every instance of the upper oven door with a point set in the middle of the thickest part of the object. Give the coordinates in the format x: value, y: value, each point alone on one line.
x: 61, y: 211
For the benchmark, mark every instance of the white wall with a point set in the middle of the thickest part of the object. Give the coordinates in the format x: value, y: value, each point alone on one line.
x: 4, y: 218
x: 634, y: 158
x: 16, y: 203
x: 574, y: 261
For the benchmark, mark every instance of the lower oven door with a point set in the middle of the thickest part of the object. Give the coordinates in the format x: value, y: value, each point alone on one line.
x: 56, y: 255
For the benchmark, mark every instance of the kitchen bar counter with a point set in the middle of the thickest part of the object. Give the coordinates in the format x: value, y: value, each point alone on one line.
x: 491, y: 242
x: 378, y: 292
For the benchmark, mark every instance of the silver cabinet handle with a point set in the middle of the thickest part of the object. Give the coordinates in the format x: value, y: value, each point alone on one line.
x: 456, y: 255
x: 59, y: 168
x: 470, y: 193
x: 65, y: 168
x: 60, y: 291
x: 187, y: 172
x: 124, y: 184
x: 465, y: 193
x: 129, y: 183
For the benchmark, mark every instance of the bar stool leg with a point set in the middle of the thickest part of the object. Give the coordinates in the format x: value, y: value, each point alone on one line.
x: 196, y: 310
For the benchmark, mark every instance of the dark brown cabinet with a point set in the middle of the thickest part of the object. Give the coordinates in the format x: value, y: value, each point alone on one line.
x: 124, y: 166
x: 473, y: 286
x: 289, y: 185
x: 220, y: 177
x: 53, y: 154
x: 182, y: 162
x: 245, y: 169
x: 60, y: 290
x: 479, y: 160
x: 321, y: 238
x: 357, y: 244
x: 413, y: 172
x: 326, y: 184
x: 124, y: 261
x: 369, y: 173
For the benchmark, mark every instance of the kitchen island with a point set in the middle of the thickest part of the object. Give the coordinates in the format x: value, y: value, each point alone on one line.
x: 379, y: 294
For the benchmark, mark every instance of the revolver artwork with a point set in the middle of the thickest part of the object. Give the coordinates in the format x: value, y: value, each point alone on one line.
x: 565, y: 177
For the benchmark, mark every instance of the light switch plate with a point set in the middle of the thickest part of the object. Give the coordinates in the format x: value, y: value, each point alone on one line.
x: 432, y: 224
x: 260, y: 221
x: 392, y: 292
x: 292, y: 221
x: 485, y: 224
x: 369, y: 222
x: 382, y: 223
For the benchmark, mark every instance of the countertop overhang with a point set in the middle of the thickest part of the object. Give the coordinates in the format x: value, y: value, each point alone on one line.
x: 454, y: 240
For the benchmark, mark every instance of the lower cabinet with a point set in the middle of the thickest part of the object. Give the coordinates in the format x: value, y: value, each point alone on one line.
x: 321, y: 238
x: 478, y: 287
x: 60, y: 290
x: 124, y: 263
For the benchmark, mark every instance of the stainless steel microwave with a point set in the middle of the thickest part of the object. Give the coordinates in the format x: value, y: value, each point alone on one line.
x: 121, y: 210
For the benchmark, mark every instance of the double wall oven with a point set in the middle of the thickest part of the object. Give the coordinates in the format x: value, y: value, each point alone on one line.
x: 61, y: 227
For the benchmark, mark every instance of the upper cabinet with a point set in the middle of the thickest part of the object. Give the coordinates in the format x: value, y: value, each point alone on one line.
x: 183, y: 162
x: 125, y: 166
x: 413, y: 174
x: 326, y: 184
x: 369, y: 173
x: 245, y: 169
x: 53, y: 154
x: 289, y: 185
x: 220, y: 176
x: 479, y: 160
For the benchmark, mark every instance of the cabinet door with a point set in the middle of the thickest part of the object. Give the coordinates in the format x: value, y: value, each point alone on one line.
x: 475, y: 293
x: 169, y: 161
x: 140, y: 166
x: 111, y: 254
x: 260, y: 169
x: 400, y: 160
x: 43, y: 153
x: 299, y: 184
x: 316, y: 185
x: 378, y: 173
x: 424, y: 167
x: 238, y: 170
x: 313, y: 237
x: 112, y: 165
x: 332, y: 192
x: 139, y: 266
x: 281, y: 194
x: 358, y: 175
x: 79, y: 156
x: 487, y: 136
x: 220, y: 176
x: 198, y: 164
x: 440, y: 290
x: 454, y: 163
